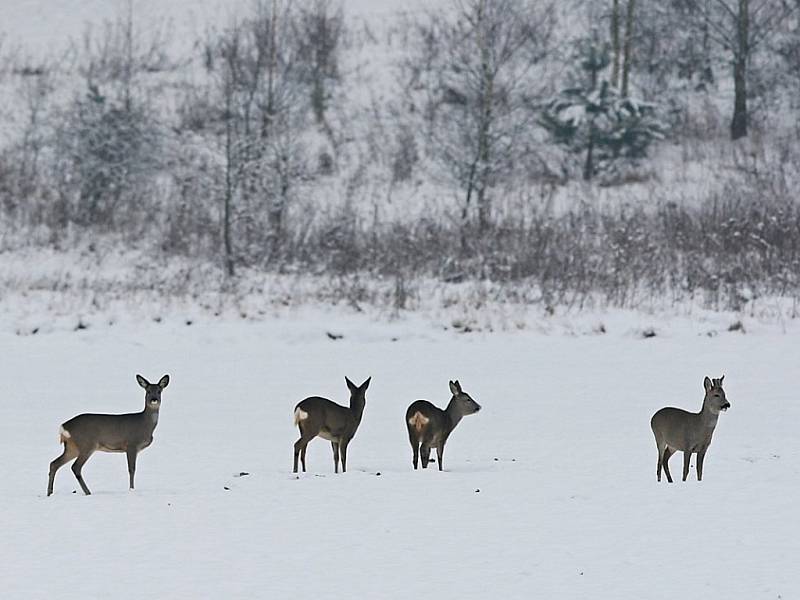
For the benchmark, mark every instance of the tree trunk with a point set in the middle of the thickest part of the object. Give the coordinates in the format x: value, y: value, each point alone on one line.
x: 229, y: 166
x: 594, y: 70
x: 128, y: 56
x: 277, y: 208
x: 627, y: 58
x: 484, y: 154
x: 707, y: 74
x: 320, y: 63
x: 739, y: 121
x: 269, y: 113
x: 484, y: 127
x: 470, y: 188
x: 615, y: 48
x: 588, y: 166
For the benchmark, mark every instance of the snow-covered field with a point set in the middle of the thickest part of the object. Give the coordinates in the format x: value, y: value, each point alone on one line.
x: 548, y: 492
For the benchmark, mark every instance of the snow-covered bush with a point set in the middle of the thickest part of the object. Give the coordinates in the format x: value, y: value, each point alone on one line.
x: 595, y: 121
x: 108, y: 153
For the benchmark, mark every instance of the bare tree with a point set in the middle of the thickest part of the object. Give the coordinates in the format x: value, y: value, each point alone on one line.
x: 118, y: 52
x: 107, y: 142
x: 672, y: 50
x: 741, y: 27
x: 263, y: 116
x: 320, y: 24
x: 34, y: 92
x: 477, y: 70
x: 230, y: 83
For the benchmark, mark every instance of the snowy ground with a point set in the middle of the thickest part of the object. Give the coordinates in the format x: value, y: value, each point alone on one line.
x: 548, y: 492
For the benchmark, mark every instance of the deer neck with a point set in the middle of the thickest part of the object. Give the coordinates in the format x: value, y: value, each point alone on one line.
x: 150, y: 416
x: 708, y: 418
x: 357, y: 409
x: 453, y: 414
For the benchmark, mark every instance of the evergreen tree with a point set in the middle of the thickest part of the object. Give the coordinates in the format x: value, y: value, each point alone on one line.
x: 593, y: 119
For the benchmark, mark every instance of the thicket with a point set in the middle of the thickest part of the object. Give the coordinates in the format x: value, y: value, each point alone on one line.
x: 255, y: 153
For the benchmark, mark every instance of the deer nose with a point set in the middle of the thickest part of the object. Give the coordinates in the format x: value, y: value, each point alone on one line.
x: 726, y: 406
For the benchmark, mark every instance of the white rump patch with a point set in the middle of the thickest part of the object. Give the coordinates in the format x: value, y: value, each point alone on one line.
x: 299, y: 415
x: 63, y: 433
x: 418, y: 421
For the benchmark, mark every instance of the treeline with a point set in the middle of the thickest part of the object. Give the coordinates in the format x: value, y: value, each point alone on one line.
x: 265, y: 148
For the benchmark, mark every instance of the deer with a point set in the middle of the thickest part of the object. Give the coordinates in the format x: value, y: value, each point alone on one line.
x: 131, y: 433
x: 677, y: 429
x: 429, y: 426
x: 316, y: 416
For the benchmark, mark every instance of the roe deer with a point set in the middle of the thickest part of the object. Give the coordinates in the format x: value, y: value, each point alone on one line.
x: 676, y: 429
x: 429, y: 426
x: 317, y: 416
x: 129, y: 433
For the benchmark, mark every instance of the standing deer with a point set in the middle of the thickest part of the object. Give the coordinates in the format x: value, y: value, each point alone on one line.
x: 676, y: 429
x: 429, y: 426
x: 317, y: 416
x: 129, y: 433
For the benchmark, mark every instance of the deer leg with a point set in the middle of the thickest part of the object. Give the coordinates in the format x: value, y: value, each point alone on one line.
x: 65, y: 457
x: 300, y: 447
x: 335, y: 447
x: 660, y: 457
x: 131, y: 464
x: 440, y: 454
x: 343, y: 454
x: 665, y: 462
x: 701, y: 455
x: 414, y: 441
x: 687, y: 458
x: 300, y: 451
x: 76, y: 468
x: 425, y: 454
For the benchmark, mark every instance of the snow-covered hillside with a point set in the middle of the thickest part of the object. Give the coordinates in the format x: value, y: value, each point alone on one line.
x: 116, y: 147
x: 549, y: 491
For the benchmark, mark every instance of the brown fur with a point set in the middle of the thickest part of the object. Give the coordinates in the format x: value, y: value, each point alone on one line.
x: 429, y: 426
x: 330, y: 421
x: 676, y: 430
x: 87, y: 433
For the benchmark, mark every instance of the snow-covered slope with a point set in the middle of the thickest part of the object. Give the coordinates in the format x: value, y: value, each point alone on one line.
x: 548, y: 492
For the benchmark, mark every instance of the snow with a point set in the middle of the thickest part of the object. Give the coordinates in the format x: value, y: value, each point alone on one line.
x: 549, y: 491
x: 52, y: 33
x: 50, y: 26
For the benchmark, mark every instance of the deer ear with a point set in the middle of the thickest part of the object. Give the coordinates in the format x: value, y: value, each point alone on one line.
x: 365, y: 385
x: 454, y: 387
x: 721, y: 379
x: 707, y: 384
x: 163, y: 382
x: 142, y: 381
x: 350, y: 385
